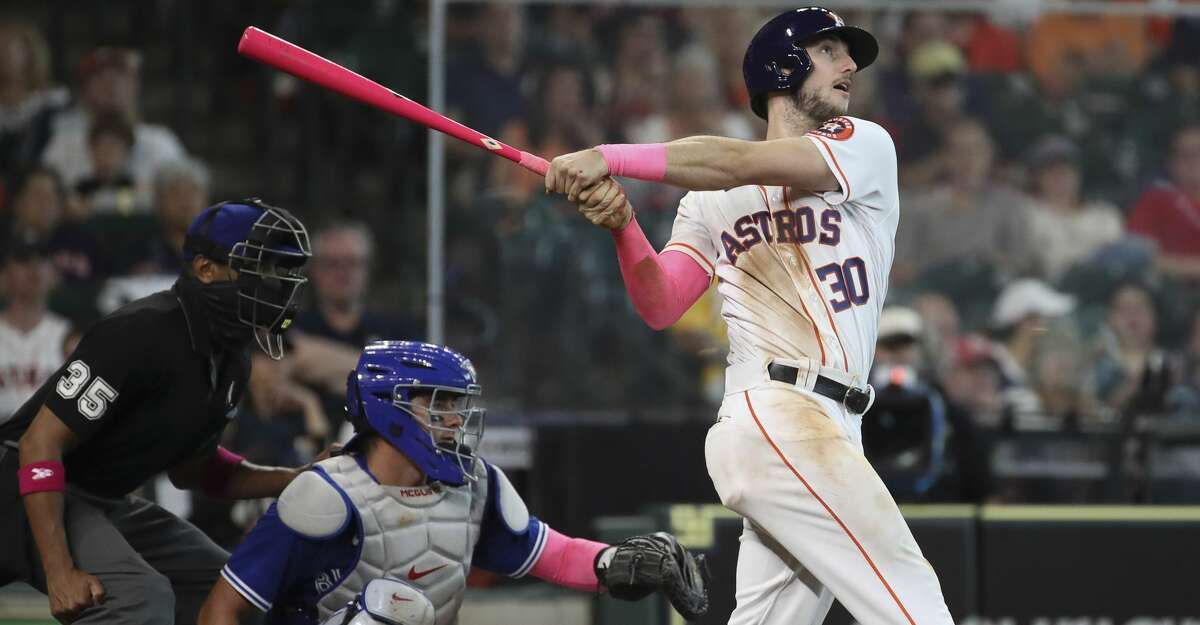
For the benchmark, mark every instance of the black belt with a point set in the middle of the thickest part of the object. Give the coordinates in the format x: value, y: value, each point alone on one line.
x: 856, y: 400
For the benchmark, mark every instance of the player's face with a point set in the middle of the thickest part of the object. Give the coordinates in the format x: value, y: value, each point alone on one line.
x: 826, y: 89
x: 443, y: 417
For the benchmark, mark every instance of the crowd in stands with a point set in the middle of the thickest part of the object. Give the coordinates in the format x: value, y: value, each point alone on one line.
x: 1047, y: 270
x: 1048, y: 248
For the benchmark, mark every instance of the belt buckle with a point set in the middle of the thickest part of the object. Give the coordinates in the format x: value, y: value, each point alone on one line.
x: 857, y: 400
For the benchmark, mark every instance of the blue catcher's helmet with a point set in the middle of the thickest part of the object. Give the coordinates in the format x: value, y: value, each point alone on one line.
x: 777, y: 61
x: 440, y: 439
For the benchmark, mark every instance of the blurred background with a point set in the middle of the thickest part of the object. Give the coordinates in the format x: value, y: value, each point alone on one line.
x: 1041, y: 344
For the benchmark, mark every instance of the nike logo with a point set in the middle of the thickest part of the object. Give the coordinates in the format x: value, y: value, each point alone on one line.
x: 396, y: 597
x: 414, y: 574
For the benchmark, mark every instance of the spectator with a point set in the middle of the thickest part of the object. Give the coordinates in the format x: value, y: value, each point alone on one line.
x: 695, y: 104
x: 180, y: 193
x: 990, y: 47
x: 969, y: 218
x: 929, y: 448
x: 1169, y: 97
x: 899, y: 342
x: 282, y: 420
x: 1062, y: 46
x: 916, y: 29
x: 564, y: 121
x: 110, y: 187
x: 27, y: 100
x: 1066, y: 228
x: 1169, y: 212
x: 1021, y: 317
x: 975, y: 381
x: 904, y: 431
x: 31, y: 337
x: 109, y: 83
x: 485, y: 93
x: 1186, y: 395
x: 942, y: 328
x: 38, y: 215
x: 640, y: 72
x: 1132, y: 373
x: 334, y: 330
x: 937, y: 76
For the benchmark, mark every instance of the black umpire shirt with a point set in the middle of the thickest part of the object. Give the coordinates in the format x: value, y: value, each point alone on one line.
x: 144, y: 391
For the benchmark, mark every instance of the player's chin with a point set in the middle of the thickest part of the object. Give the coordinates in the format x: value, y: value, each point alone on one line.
x: 839, y: 101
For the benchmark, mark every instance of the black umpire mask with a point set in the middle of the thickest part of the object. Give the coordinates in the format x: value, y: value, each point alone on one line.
x: 220, y: 303
x: 267, y: 247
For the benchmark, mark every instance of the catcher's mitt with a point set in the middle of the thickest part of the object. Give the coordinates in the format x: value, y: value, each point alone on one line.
x: 641, y: 565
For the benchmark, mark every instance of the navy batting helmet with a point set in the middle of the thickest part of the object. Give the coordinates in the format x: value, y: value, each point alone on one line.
x: 777, y: 61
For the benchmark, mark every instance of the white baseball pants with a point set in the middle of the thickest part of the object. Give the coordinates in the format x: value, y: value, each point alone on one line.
x: 819, y: 523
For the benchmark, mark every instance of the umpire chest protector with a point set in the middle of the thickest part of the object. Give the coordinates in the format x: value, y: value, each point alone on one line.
x: 424, y: 535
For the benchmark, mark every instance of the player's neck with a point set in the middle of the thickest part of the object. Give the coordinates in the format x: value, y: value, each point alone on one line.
x: 391, y: 467
x: 783, y: 123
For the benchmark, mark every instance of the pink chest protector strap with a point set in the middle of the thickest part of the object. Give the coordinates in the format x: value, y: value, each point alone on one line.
x: 661, y: 286
x: 568, y: 562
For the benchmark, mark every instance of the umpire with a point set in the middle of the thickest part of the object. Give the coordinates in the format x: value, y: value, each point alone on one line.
x: 149, y: 389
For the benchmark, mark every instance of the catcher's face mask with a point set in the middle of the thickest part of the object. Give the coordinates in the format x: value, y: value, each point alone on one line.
x: 423, y: 399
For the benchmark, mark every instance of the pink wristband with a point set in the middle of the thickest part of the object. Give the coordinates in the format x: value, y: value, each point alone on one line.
x: 42, y: 476
x: 220, y: 467
x: 644, y: 161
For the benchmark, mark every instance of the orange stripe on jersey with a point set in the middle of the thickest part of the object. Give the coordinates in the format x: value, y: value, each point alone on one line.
x: 841, y: 174
x: 808, y: 315
x: 817, y: 286
x: 711, y: 269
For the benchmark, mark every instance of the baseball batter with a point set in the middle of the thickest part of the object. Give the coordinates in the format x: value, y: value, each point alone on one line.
x: 798, y: 230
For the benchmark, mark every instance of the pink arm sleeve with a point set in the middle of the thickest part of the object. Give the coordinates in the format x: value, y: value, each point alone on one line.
x: 661, y: 286
x: 568, y: 562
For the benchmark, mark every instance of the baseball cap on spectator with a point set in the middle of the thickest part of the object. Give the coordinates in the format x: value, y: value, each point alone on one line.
x: 100, y: 59
x: 973, y: 349
x: 936, y: 60
x: 1029, y: 296
x: 899, y: 323
x: 1053, y: 149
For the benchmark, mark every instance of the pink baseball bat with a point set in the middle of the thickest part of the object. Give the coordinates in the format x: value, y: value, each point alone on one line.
x: 291, y: 58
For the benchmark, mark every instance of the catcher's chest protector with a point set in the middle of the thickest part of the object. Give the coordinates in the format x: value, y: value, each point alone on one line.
x: 422, y: 535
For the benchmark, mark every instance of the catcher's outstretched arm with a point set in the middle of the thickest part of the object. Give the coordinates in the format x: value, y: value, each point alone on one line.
x: 569, y: 562
x: 629, y: 570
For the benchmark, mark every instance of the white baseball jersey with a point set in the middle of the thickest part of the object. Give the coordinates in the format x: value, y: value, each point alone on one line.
x: 803, y: 276
x: 27, y: 359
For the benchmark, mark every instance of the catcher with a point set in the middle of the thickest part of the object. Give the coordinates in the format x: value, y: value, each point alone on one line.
x: 387, y: 531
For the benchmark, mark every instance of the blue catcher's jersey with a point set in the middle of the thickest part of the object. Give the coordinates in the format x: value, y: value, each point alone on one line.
x: 287, y: 574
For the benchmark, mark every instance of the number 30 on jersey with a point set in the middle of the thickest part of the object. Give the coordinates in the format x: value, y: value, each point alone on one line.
x: 848, y: 281
x: 95, y: 400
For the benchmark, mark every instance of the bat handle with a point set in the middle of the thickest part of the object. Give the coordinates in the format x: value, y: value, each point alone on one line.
x: 534, y: 163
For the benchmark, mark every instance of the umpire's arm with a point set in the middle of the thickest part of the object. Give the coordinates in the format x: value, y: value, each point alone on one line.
x: 70, y: 590
x: 226, y: 475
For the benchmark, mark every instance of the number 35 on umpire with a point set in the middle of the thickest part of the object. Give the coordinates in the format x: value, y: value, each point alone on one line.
x: 149, y: 389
